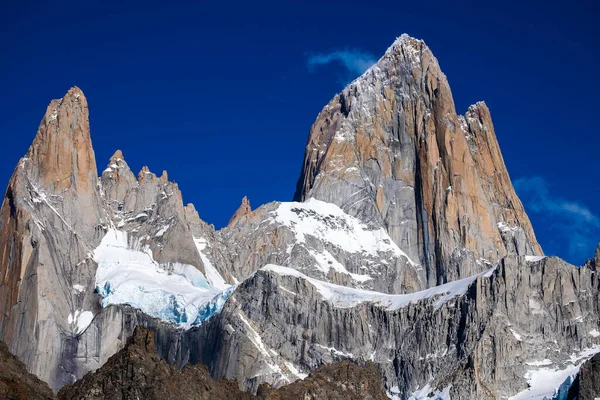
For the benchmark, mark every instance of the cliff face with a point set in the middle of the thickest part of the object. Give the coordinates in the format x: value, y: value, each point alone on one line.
x: 55, y: 213
x: 50, y: 221
x: 484, y: 337
x: 391, y: 150
x: 138, y: 372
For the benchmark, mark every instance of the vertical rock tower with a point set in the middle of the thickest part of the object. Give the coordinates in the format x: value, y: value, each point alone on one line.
x: 50, y: 223
x: 391, y: 150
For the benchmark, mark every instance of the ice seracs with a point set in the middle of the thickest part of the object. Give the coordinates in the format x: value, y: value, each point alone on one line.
x: 128, y: 274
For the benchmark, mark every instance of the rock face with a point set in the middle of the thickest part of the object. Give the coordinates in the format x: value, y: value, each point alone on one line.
x: 50, y: 221
x: 407, y: 251
x: 18, y: 384
x: 54, y: 215
x: 138, y: 372
x: 338, y: 381
x: 475, y: 339
x: 391, y: 150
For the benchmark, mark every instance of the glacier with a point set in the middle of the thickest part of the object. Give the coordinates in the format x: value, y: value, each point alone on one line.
x: 179, y: 293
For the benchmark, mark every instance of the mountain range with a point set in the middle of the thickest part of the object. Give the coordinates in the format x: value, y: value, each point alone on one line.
x: 405, y: 264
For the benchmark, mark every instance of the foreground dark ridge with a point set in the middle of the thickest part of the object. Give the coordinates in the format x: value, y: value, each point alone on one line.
x: 18, y: 384
x: 137, y: 372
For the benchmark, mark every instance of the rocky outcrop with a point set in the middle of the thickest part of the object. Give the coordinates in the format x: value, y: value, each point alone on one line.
x: 18, y: 384
x: 151, y: 207
x: 338, y: 381
x: 391, y: 150
x: 138, y: 372
x: 243, y: 210
x: 318, y: 239
x: 54, y: 215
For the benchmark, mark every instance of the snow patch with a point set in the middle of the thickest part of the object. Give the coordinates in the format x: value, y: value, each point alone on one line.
x: 212, y: 275
x: 80, y: 320
x: 346, y: 297
x: 327, y: 223
x: 534, y: 258
x: 78, y: 288
x: 140, y: 215
x: 548, y: 383
x: 427, y: 390
x: 507, y: 228
x: 295, y: 370
x: 516, y: 335
x: 336, y: 351
x: 325, y: 261
x: 162, y: 231
x: 540, y: 363
x: 594, y: 333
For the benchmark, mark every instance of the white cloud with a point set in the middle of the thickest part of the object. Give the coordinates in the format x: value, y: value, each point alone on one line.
x: 354, y: 61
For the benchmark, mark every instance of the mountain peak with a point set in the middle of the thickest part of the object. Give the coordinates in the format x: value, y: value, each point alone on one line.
x: 392, y: 141
x: 406, y: 42
x: 144, y: 173
x: 61, y: 152
x: 117, y: 164
x: 118, y: 155
x: 243, y: 210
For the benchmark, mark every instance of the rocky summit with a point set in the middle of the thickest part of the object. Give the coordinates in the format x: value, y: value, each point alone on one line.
x: 406, y: 266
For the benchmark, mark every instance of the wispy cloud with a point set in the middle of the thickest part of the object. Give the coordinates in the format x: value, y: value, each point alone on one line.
x: 354, y: 61
x: 576, y: 228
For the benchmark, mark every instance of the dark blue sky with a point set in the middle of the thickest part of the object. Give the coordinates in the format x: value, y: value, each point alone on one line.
x: 221, y: 95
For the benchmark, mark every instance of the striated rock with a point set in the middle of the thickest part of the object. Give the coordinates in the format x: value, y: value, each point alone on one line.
x: 391, y: 150
x: 479, y: 343
x: 137, y: 372
x: 50, y: 221
x: 18, y: 384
